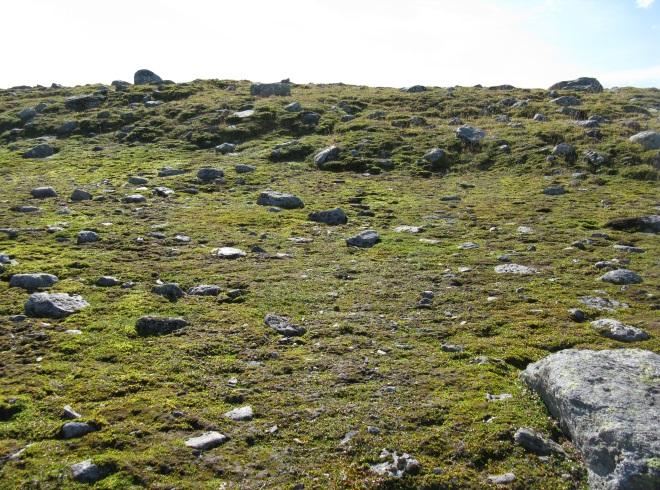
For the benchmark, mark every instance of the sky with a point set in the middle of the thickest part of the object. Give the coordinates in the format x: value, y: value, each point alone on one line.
x: 396, y: 43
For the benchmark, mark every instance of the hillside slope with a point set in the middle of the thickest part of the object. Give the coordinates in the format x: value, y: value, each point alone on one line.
x: 408, y: 344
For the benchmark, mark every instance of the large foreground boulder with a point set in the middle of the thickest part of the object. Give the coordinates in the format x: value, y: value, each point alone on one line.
x: 585, y: 84
x: 650, y: 140
x: 607, y: 402
x: 643, y: 224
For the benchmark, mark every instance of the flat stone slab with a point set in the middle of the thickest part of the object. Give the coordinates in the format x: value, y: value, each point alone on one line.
x: 521, y: 270
x: 206, y: 441
x: 607, y: 402
x: 616, y: 330
x: 365, y: 239
x: 228, y: 253
x: 32, y: 282
x: 53, y: 305
x: 240, y: 413
x: 280, y: 199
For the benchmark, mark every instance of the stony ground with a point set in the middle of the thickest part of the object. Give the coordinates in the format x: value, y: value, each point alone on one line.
x: 376, y: 369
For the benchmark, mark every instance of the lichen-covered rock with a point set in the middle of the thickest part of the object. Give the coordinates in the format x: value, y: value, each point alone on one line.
x: 88, y: 472
x: 43, y: 192
x: 326, y: 155
x: 607, y: 402
x: 207, y: 441
x: 42, y: 150
x: 518, y: 269
x: 643, y: 224
x: 32, y: 282
x: 283, y: 326
x: 621, y: 276
x: 280, y: 199
x: 614, y: 329
x: 53, y: 305
x: 585, y: 84
x: 364, y: 239
x: 534, y: 442
x: 144, y: 77
x: 268, y: 89
x: 650, y: 140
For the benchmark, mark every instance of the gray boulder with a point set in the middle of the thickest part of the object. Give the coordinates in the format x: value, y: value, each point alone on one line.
x: 83, y: 102
x: 242, y: 168
x: 66, y: 128
x: 107, y: 281
x: 27, y: 114
x: 283, y: 326
x: 32, y: 282
x: 616, y: 330
x: 225, y: 148
x: 326, y: 155
x: 43, y: 192
x: 171, y: 172
x: 332, y: 217
x: 80, y: 195
x: 643, y: 224
x: 151, y: 325
x: 204, y: 290
x: 554, y: 190
x: 88, y: 472
x: 470, y: 135
x: 435, y: 156
x: 240, y: 413
x: 268, y: 89
x: 136, y: 180
x: 87, y: 236
x: 162, y: 191
x: 293, y: 107
x: 42, y: 150
x: 415, y: 89
x: 566, y: 101
x: 207, y: 441
x: 53, y: 305
x: 621, y: 276
x: 169, y: 290
x: 606, y: 401
x: 364, y: 239
x: 144, y: 77
x: 280, y: 199
x: 650, y: 140
x: 521, y: 270
x: 585, y: 84
x: 534, y: 442
x: 565, y: 150
x: 208, y: 174
x: 230, y: 253
x: 72, y: 430
x: 133, y: 199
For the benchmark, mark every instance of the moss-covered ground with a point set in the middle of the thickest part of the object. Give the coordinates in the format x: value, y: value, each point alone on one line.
x: 370, y: 357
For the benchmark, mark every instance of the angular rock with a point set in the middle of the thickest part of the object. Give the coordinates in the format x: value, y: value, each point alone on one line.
x: 228, y: 253
x: 566, y: 151
x: 53, y: 305
x: 566, y: 101
x: 80, y: 195
x: 585, y: 84
x: 396, y: 466
x: 643, y: 224
x: 470, y: 135
x: 69, y: 413
x: 554, y: 190
x: 207, y: 441
x: 204, y: 290
x: 616, y: 330
x: 71, y: 430
x: 83, y: 102
x: 169, y: 290
x: 107, y: 281
x: 43, y: 192
x: 32, y: 282
x: 436, y: 156
x: 280, y: 199
x: 534, y: 442
x: 171, y: 172
x: 133, y: 199
x: 136, y: 180
x: 87, y: 236
x: 606, y: 401
x: 240, y: 413
x: 502, y: 479
x: 283, y: 326
x: 650, y: 140
x: 364, y: 239
x: 331, y: 217
x: 268, y: 89
x: 42, y: 150
x: 144, y: 77
x: 621, y: 276
x: 151, y: 325
x: 242, y: 168
x: 326, y: 155
x: 88, y: 472
x: 293, y: 107
x: 162, y: 191
x: 225, y: 148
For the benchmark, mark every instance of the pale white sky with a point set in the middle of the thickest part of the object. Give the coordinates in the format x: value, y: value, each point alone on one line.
x: 527, y: 43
